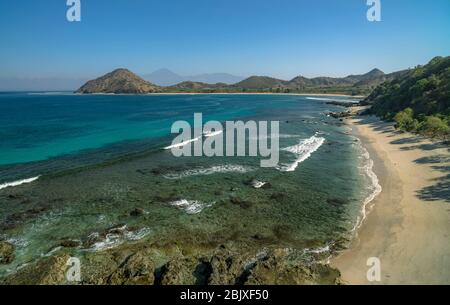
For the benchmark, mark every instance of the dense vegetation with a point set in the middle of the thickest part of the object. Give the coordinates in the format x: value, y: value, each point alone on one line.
x: 418, y: 99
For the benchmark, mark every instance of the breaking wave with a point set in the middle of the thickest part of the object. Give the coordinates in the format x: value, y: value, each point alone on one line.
x: 191, y: 206
x: 209, y: 171
x: 18, y: 182
x: 303, y: 150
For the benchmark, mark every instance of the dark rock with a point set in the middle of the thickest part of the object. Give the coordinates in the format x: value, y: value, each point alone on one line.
x: 6, y: 253
x: 15, y: 196
x: 16, y: 219
x: 343, y: 104
x: 278, y: 196
x: 336, y: 201
x: 267, y: 186
x: 137, y: 212
x: 242, y: 203
x: 70, y: 243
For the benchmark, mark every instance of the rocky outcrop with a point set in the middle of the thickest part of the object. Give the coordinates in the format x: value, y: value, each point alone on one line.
x: 138, y: 269
x: 147, y: 265
x: 278, y: 269
x: 6, y: 252
x: 47, y: 271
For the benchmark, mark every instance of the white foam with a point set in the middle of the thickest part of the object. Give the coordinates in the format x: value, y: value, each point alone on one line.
x: 191, y: 206
x: 18, y: 182
x: 258, y: 184
x: 181, y: 144
x: 303, y: 150
x: 115, y: 239
x: 280, y: 136
x: 209, y: 171
x: 328, y: 99
x: 374, y: 188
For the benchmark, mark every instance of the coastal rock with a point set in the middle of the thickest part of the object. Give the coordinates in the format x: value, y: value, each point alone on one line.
x: 138, y: 269
x: 278, y: 269
x: 6, y: 252
x: 226, y: 267
x: 48, y: 271
x: 179, y: 271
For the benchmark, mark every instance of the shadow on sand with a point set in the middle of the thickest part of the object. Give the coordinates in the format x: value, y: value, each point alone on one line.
x: 440, y: 190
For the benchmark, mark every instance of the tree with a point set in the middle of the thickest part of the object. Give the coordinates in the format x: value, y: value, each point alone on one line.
x: 405, y: 120
x: 435, y: 127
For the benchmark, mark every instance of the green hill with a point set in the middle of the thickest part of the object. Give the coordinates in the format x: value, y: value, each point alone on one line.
x: 119, y: 81
x: 417, y: 99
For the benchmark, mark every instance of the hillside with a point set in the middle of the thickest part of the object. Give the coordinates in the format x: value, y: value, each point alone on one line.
x: 418, y: 99
x: 260, y: 83
x: 124, y: 81
x: 119, y: 81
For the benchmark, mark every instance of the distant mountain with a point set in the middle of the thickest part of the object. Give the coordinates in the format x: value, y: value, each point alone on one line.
x: 119, y: 81
x: 123, y: 81
x: 214, y: 78
x: 165, y: 77
x: 352, y: 84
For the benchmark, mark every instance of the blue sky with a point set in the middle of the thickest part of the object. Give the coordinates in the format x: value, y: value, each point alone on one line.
x: 281, y: 38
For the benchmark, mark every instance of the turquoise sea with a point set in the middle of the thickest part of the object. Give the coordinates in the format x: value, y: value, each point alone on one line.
x: 95, y: 162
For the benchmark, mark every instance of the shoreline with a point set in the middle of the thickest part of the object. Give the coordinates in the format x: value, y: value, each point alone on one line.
x: 407, y: 225
x: 224, y: 93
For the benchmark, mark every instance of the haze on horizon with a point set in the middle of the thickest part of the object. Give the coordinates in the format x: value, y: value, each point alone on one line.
x: 281, y: 39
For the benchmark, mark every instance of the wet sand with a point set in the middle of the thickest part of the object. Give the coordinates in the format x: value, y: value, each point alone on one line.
x: 408, y: 226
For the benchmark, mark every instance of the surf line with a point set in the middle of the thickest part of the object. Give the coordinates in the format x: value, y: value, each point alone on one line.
x: 18, y: 182
x: 208, y: 139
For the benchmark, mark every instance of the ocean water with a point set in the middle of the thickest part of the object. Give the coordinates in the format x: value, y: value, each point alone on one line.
x: 72, y: 167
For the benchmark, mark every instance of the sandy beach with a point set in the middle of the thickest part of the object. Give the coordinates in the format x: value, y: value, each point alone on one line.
x: 408, y: 225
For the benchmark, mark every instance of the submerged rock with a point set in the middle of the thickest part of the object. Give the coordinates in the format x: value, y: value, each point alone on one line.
x: 137, y: 212
x: 70, y: 243
x: 336, y: 201
x: 6, y: 252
